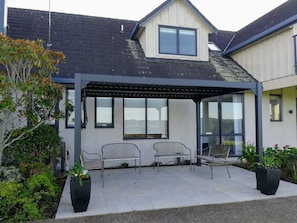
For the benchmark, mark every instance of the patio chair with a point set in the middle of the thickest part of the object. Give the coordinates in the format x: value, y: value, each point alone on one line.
x: 217, y: 156
x: 90, y: 161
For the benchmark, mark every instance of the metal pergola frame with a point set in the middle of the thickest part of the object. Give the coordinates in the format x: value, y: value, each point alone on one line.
x: 96, y: 85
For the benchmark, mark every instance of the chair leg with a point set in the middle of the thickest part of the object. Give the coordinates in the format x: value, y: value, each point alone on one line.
x: 228, y: 170
x: 102, y: 172
x: 211, y: 171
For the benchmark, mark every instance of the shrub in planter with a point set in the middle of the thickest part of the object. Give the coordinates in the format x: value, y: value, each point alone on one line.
x: 80, y: 187
x: 267, y: 172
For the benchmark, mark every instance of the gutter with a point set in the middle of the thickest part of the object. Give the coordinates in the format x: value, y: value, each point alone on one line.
x: 63, y: 80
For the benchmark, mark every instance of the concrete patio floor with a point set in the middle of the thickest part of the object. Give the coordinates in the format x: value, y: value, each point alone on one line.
x: 173, y: 187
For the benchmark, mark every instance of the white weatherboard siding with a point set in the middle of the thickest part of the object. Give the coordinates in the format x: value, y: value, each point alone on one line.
x: 269, y: 59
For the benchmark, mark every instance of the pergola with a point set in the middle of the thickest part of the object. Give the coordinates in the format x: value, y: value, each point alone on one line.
x: 97, y: 85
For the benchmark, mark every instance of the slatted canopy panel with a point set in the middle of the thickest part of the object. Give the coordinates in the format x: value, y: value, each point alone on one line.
x: 138, y: 87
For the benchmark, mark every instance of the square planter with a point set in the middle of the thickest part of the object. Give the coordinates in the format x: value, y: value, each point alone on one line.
x: 268, y: 180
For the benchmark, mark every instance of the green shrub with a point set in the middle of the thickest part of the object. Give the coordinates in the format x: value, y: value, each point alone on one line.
x: 43, y: 189
x: 249, y: 154
x: 10, y: 173
x: 30, y: 200
x: 36, y: 151
x: 288, y: 163
x: 15, y: 205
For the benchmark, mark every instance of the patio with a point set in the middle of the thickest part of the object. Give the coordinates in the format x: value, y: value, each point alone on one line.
x: 127, y: 191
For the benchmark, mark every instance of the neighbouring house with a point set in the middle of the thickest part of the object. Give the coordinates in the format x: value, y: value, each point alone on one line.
x: 267, y: 49
x: 170, y: 76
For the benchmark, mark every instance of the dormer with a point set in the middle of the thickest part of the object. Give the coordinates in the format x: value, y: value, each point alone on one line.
x: 174, y: 30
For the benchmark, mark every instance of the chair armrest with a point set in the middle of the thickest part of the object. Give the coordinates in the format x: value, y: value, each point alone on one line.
x: 91, y: 156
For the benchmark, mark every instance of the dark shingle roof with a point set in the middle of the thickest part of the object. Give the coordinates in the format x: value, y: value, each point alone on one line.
x: 222, y: 38
x: 275, y: 20
x: 96, y: 45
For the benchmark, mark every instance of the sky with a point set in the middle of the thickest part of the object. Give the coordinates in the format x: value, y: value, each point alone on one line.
x: 229, y: 15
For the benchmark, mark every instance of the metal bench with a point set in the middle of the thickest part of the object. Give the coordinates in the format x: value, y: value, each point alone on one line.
x: 120, y: 151
x: 171, y: 150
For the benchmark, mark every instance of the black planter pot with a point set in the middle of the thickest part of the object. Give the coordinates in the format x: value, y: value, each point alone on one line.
x: 268, y: 180
x: 80, y: 195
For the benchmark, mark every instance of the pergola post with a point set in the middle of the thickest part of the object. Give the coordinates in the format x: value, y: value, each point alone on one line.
x: 77, y: 124
x: 198, y: 130
x: 258, y: 124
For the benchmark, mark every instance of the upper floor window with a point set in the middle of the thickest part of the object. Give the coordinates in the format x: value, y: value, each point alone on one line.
x: 275, y: 108
x: 104, y: 112
x: 177, y: 41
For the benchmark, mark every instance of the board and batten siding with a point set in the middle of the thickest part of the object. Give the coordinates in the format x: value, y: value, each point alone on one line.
x: 176, y: 15
x: 269, y: 59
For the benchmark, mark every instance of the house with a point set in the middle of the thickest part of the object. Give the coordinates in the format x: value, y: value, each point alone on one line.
x: 151, y: 80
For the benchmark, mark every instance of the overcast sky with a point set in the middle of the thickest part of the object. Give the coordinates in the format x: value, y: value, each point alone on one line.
x: 229, y: 15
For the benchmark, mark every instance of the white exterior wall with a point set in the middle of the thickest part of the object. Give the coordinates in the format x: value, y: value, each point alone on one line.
x: 283, y: 132
x: 182, y: 127
x: 178, y: 15
x: 249, y: 117
x: 277, y: 132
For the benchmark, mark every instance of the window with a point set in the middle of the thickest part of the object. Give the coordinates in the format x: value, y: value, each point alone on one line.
x: 295, y: 52
x: 222, y: 122
x: 275, y: 108
x: 70, y: 108
x: 145, y: 118
x: 213, y: 47
x: 177, y: 41
x: 104, y: 112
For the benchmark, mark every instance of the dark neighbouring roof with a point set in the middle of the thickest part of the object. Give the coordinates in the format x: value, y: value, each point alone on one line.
x: 222, y: 38
x: 275, y: 20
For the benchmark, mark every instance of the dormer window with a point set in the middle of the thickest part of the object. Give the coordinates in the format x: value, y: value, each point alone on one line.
x: 177, y: 41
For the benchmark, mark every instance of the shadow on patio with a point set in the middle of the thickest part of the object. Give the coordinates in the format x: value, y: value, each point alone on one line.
x: 173, y: 187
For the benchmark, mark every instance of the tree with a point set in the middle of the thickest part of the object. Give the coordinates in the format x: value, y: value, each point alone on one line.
x: 28, y: 96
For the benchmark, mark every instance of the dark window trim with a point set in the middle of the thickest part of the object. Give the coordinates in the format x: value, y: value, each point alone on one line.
x: 112, y: 114
x: 146, y: 135
x: 280, y: 108
x: 177, y: 40
x: 220, y: 134
x: 84, y: 120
